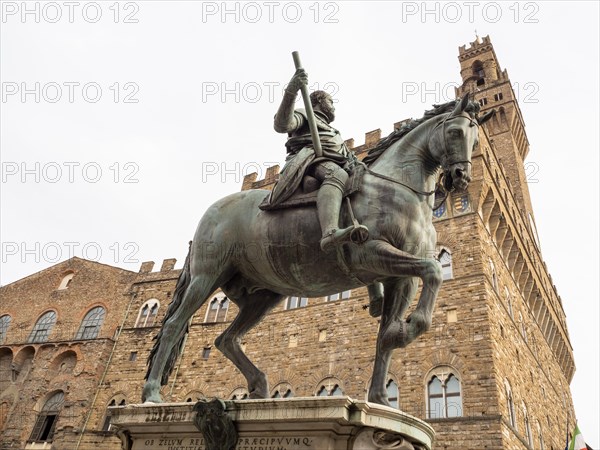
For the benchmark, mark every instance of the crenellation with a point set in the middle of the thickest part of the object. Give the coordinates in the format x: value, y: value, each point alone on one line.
x: 372, y: 137
x: 168, y: 264
x: 249, y: 180
x: 147, y: 267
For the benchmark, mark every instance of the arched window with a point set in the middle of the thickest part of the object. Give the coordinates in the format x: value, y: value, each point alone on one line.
x: 43, y: 430
x: 223, y: 308
x: 445, y: 259
x: 64, y: 283
x: 148, y: 313
x: 294, y: 302
x: 4, y: 407
x: 511, y: 405
x: 522, y: 326
x: 286, y: 394
x: 90, y: 326
x: 239, y: 394
x: 478, y: 69
x: 119, y: 400
x: 152, y: 316
x: 392, y: 393
x: 43, y: 327
x: 4, y: 324
x: 528, y: 435
x: 330, y: 387
x: 337, y: 391
x: 508, y: 302
x: 194, y: 396
x: 444, y: 394
x: 493, y: 274
x: 217, y: 310
x: 282, y: 390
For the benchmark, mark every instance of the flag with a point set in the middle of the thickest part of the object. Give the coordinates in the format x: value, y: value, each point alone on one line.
x: 577, y: 443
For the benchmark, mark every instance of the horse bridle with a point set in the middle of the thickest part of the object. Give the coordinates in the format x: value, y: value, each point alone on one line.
x: 427, y: 194
x: 472, y: 123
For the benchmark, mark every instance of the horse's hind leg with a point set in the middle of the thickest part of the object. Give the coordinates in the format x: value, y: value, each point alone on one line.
x: 253, y: 308
x: 172, y: 331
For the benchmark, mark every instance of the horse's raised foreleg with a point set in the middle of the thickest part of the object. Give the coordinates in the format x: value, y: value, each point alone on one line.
x: 382, y: 258
x: 172, y: 330
x: 253, y: 308
x: 398, y: 295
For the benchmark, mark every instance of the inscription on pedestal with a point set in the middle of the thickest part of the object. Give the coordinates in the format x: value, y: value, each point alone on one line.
x: 244, y: 443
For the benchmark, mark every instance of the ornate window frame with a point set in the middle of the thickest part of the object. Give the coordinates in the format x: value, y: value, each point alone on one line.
x: 217, y: 309
x: 451, y: 408
x: 148, y: 313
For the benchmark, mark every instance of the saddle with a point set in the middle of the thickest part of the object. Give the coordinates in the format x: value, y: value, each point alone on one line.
x: 306, y: 194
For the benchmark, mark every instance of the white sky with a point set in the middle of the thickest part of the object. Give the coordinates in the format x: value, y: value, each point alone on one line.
x: 183, y: 145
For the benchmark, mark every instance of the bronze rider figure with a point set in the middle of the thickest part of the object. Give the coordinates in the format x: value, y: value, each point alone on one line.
x: 329, y: 169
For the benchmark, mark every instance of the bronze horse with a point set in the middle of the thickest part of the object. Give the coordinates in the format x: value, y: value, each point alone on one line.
x: 259, y: 257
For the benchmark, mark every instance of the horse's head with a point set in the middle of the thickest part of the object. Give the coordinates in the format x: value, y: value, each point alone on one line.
x: 453, y: 140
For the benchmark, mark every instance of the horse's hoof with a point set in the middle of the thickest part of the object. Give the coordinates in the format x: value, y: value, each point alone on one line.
x: 259, y: 392
x: 417, y: 324
x: 258, y: 387
x: 150, y: 394
x: 379, y: 399
x: 257, y: 395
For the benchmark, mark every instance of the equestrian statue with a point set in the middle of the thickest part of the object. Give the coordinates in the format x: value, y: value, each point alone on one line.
x: 368, y: 223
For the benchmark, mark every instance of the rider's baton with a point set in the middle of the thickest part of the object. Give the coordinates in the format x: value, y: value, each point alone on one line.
x: 310, y: 115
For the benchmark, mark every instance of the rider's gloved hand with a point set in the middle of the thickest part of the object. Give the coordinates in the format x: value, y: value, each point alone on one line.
x: 299, y: 79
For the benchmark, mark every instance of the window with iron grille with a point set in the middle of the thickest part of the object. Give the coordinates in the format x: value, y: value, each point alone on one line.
x: 43, y: 327
x: 90, y: 326
x: 4, y: 324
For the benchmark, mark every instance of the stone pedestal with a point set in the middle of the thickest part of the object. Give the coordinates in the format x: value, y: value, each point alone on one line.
x: 311, y: 423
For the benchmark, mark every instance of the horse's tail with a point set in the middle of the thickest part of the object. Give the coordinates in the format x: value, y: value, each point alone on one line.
x: 182, y: 284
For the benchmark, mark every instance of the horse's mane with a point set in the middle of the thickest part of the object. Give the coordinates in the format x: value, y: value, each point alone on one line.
x: 472, y: 108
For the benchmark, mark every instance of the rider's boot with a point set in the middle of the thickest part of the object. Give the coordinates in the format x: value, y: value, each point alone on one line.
x: 329, y: 202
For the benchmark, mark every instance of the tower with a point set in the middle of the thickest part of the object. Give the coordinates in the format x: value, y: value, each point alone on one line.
x: 483, y: 77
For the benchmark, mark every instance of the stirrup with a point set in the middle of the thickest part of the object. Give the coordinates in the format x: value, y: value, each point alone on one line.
x: 356, y: 234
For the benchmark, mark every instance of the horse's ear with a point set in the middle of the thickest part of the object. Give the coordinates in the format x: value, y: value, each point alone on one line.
x: 460, y: 107
x: 486, y: 116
